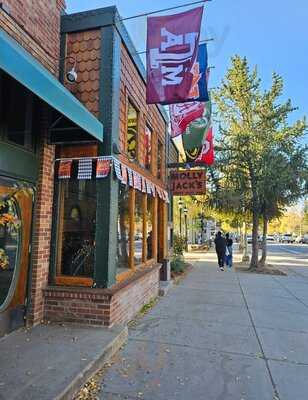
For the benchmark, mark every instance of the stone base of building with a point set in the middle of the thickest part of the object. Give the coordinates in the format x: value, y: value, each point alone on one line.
x: 102, y: 307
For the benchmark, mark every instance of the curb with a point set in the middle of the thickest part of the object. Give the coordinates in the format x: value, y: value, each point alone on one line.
x: 94, y: 366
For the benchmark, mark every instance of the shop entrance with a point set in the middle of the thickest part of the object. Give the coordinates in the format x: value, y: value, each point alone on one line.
x: 16, y: 199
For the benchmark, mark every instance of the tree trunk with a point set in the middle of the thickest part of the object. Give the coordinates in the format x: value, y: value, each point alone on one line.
x: 264, y: 242
x: 255, y: 245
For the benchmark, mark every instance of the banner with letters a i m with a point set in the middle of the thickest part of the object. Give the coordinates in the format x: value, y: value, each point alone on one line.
x: 172, y: 50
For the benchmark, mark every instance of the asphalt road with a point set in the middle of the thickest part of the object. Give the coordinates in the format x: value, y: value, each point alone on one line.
x: 292, y: 256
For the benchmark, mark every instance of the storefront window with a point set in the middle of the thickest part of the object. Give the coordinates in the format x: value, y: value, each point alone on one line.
x: 16, y: 127
x: 160, y: 157
x: 138, y: 227
x: 76, y: 227
x: 148, y: 147
x: 10, y: 237
x: 132, y: 132
x: 149, y: 227
x: 123, y: 230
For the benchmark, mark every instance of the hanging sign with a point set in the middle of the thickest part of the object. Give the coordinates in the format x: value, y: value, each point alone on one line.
x: 65, y: 169
x: 189, y: 182
x: 102, y: 168
x: 172, y: 49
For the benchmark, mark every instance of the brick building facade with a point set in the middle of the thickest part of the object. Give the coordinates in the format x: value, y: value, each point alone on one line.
x: 76, y: 220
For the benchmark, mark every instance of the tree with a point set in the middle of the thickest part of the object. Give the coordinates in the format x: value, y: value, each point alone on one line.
x: 254, y: 126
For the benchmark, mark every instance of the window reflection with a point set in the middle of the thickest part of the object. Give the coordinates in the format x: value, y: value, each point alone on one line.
x: 123, y: 230
x: 9, y: 236
x: 76, y: 227
x: 138, y: 227
x: 132, y: 132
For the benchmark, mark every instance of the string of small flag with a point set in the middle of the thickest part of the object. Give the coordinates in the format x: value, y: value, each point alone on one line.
x: 100, y: 167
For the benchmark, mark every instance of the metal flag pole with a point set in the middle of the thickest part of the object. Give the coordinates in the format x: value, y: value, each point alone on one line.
x: 163, y: 10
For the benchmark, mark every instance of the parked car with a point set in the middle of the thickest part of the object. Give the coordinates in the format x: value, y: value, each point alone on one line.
x: 299, y: 239
x: 302, y: 239
x: 270, y: 238
x: 287, y: 238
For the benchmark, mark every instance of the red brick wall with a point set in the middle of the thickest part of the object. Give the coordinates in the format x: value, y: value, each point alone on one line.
x: 133, y: 87
x: 35, y: 25
x: 106, y: 307
x: 41, y: 236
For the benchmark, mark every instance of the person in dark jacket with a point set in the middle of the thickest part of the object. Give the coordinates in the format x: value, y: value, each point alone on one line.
x: 220, y: 247
x: 229, y: 255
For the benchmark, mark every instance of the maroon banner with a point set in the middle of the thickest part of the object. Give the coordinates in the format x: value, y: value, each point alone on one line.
x: 172, y: 49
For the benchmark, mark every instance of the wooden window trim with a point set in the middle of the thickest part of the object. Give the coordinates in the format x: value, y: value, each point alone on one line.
x: 130, y: 101
x: 144, y: 228
x: 63, y: 280
x: 131, y: 256
x: 149, y: 126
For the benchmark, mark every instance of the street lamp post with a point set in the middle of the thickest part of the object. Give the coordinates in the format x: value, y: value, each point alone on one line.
x: 180, y: 204
x: 185, y: 210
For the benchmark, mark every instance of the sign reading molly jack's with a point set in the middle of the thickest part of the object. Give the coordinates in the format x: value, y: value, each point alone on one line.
x: 189, y: 182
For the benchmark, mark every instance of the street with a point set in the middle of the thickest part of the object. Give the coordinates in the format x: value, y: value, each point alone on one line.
x: 221, y: 336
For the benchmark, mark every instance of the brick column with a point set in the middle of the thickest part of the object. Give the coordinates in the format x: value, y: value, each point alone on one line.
x: 41, y: 232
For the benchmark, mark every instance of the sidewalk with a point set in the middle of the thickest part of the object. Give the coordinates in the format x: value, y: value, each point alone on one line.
x: 218, y: 336
x: 52, y: 361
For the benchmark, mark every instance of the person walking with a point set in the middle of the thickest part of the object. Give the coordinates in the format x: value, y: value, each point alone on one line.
x: 220, y: 247
x: 229, y: 251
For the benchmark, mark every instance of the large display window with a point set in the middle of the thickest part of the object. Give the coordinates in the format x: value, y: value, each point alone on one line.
x: 16, y: 199
x: 76, y: 227
x: 137, y: 231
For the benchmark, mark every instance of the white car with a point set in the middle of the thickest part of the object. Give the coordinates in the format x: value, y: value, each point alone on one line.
x: 287, y: 238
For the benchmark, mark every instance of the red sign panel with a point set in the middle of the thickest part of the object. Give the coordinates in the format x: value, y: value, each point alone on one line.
x: 172, y: 49
x: 190, y: 182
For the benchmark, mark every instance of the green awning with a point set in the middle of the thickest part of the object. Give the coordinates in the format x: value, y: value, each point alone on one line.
x: 20, y: 65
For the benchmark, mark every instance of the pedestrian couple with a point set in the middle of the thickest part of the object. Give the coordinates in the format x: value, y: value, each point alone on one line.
x: 223, y: 246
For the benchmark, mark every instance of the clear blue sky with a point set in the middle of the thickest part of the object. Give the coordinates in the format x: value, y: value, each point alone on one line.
x: 272, y: 34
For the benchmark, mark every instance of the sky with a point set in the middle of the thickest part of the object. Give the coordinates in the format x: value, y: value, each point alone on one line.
x: 272, y: 34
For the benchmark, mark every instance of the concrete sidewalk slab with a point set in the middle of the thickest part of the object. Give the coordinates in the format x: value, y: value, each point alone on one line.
x: 204, y: 335
x: 53, y: 361
x: 291, y: 379
x: 152, y: 371
x: 284, y: 345
x: 280, y: 320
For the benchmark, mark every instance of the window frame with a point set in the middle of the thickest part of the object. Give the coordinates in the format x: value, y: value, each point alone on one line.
x: 57, y: 238
x: 130, y: 101
x: 150, y: 168
x: 160, y: 155
x: 31, y: 104
x: 132, y: 268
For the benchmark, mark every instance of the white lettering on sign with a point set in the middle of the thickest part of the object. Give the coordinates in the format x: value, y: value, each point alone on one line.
x: 162, y: 58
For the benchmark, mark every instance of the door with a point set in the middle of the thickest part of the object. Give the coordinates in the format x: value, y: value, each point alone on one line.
x: 16, y: 199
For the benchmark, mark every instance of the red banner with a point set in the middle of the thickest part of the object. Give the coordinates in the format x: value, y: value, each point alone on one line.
x: 207, y: 153
x: 103, y: 167
x: 65, y: 169
x: 172, y: 49
x: 182, y: 114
